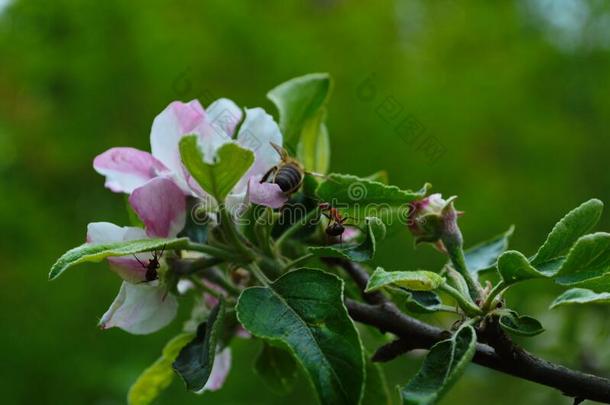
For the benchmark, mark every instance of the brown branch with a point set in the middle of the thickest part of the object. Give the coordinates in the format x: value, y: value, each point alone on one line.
x: 504, y: 356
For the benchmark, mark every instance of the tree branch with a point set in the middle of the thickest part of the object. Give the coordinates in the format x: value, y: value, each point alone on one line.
x: 505, y: 357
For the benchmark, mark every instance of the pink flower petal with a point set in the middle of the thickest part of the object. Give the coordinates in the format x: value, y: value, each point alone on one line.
x: 140, y: 309
x: 127, y: 168
x: 169, y: 126
x: 161, y: 205
x: 267, y: 194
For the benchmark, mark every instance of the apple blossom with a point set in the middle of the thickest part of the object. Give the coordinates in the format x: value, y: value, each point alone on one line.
x: 142, y: 307
x: 127, y: 168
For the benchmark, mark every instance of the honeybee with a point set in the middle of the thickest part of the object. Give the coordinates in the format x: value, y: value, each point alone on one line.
x: 288, y: 174
x: 152, y: 266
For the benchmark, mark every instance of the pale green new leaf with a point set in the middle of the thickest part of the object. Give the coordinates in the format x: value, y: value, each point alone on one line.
x: 485, y: 255
x: 218, y: 179
x: 304, y: 310
x: 513, y: 267
x: 380, y: 176
x: 375, y: 231
x: 576, y: 223
x: 159, y: 375
x: 90, y: 252
x: 443, y: 365
x: 313, y: 150
x: 580, y: 296
x: 419, y: 280
x: 298, y: 100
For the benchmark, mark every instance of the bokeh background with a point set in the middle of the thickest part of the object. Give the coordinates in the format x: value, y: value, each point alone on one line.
x: 516, y: 94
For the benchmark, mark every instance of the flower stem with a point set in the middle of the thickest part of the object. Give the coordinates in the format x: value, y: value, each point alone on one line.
x: 297, y: 261
x: 228, y: 226
x: 258, y: 273
x: 497, y: 290
x: 296, y: 226
x: 453, y: 245
x: 465, y: 303
x: 201, y: 285
x: 215, y: 251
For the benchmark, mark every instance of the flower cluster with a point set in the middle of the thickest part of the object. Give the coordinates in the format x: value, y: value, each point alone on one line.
x: 158, y: 185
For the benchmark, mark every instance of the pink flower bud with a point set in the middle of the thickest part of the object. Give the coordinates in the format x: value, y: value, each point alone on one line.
x: 433, y: 220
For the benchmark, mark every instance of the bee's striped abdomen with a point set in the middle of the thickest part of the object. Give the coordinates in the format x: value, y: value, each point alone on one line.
x: 288, y: 177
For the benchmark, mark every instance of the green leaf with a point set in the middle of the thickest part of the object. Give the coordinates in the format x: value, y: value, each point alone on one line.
x: 380, y: 176
x: 359, y: 252
x: 159, y: 375
x: 376, y: 390
x: 419, y: 280
x: 588, y: 258
x: 444, y: 364
x: 516, y: 324
x: 277, y: 367
x: 218, y: 179
x: 304, y: 309
x: 513, y: 267
x: 195, y: 361
x: 313, y: 150
x: 98, y: 252
x: 421, y: 302
x: 576, y: 223
x: 349, y: 190
x: 580, y: 296
x: 299, y: 100
x: 485, y: 255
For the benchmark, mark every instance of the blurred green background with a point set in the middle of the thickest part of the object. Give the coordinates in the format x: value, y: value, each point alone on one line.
x: 516, y: 94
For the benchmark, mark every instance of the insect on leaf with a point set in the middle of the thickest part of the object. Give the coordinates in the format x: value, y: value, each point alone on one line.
x: 90, y: 252
x: 359, y: 252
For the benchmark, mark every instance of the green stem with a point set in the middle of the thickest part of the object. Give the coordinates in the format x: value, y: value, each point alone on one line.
x: 262, y: 226
x: 465, y: 303
x: 294, y: 228
x: 258, y: 273
x: 228, y: 226
x: 453, y: 246
x: 297, y: 261
x: 221, y: 253
x: 201, y: 285
x: 497, y: 290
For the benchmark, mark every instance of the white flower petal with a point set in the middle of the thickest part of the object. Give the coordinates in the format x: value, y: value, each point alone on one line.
x: 220, y: 370
x: 257, y: 133
x: 225, y: 115
x: 140, y: 309
x: 127, y: 267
